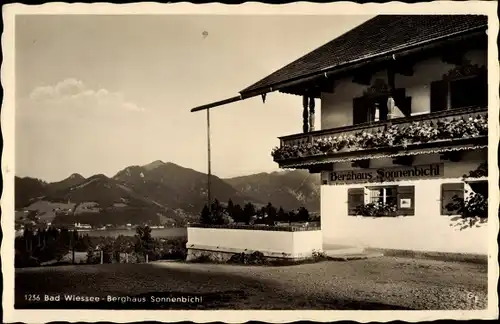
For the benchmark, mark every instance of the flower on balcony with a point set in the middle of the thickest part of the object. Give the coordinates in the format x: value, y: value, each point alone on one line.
x: 394, y: 135
x: 377, y: 209
x: 480, y: 172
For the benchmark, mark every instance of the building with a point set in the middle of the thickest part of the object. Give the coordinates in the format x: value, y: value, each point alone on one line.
x: 403, y: 102
x: 81, y: 226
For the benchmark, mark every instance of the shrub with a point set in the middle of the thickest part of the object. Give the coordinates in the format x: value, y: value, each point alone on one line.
x: 376, y: 209
x: 319, y: 255
x: 93, y: 257
x: 204, y: 258
x: 107, y: 257
x: 22, y: 261
x: 473, y: 210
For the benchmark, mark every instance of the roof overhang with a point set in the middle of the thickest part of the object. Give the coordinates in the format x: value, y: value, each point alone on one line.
x: 343, y: 70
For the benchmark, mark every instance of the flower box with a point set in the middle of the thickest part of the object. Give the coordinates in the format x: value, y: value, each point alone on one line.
x: 398, y: 134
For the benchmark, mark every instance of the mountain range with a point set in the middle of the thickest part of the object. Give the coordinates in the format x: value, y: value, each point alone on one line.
x: 157, y: 193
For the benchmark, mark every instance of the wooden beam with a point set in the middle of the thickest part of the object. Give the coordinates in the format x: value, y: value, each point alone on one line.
x: 391, y: 76
x: 314, y: 170
x: 218, y: 103
x: 315, y: 89
x: 454, y: 56
x: 406, y: 160
x: 404, y: 68
x: 454, y: 156
x: 364, y: 78
x: 365, y: 164
x: 328, y: 86
x: 318, y: 168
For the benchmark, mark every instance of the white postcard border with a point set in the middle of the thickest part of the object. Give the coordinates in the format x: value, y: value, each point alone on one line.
x: 299, y: 8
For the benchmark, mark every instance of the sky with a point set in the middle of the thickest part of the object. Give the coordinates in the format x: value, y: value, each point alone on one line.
x: 95, y: 94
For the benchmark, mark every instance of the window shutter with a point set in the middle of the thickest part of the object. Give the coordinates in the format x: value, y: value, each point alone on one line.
x: 439, y: 96
x: 406, y: 106
x: 406, y: 192
x: 355, y: 198
x: 399, y: 96
x: 448, y: 191
x: 359, y: 111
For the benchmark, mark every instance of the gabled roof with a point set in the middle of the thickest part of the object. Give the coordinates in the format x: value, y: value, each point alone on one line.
x: 378, y: 36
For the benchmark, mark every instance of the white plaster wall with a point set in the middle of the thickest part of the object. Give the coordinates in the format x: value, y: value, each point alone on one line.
x: 272, y: 243
x: 427, y: 230
x: 336, y: 108
x: 305, y: 242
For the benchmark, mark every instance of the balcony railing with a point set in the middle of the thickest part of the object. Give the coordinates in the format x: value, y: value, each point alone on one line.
x: 451, y: 128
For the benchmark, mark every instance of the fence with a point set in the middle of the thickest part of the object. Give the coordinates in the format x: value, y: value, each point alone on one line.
x: 96, y: 257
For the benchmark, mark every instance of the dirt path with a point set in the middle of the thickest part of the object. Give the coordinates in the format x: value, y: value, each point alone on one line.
x: 380, y: 283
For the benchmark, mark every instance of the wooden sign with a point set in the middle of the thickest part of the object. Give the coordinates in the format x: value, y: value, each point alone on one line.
x: 428, y: 171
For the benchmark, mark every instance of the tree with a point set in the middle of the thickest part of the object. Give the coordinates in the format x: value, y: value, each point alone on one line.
x: 230, y: 208
x: 282, y: 215
x: 237, y: 213
x: 303, y: 215
x: 83, y: 243
x: 122, y: 244
x: 28, y: 239
x: 271, y: 214
x: 58, y: 249
x: 217, y: 213
x: 248, y: 212
x: 144, y: 240
x: 206, y: 217
x: 74, y: 240
x: 91, y: 257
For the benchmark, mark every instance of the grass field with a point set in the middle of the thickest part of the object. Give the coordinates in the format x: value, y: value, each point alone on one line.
x: 379, y: 283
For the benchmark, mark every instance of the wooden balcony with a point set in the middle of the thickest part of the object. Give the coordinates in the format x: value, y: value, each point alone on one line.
x: 444, y: 131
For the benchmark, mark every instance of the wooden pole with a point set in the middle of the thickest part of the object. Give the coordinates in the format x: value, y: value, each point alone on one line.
x: 305, y: 114
x: 311, y: 114
x: 102, y: 256
x: 209, y: 189
x: 72, y: 237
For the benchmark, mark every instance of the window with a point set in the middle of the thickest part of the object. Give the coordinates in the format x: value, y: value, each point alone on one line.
x: 448, y: 192
x: 369, y: 109
x: 468, y: 92
x: 355, y: 198
x: 383, y: 201
x: 459, y: 93
x: 383, y: 195
x: 373, y: 108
